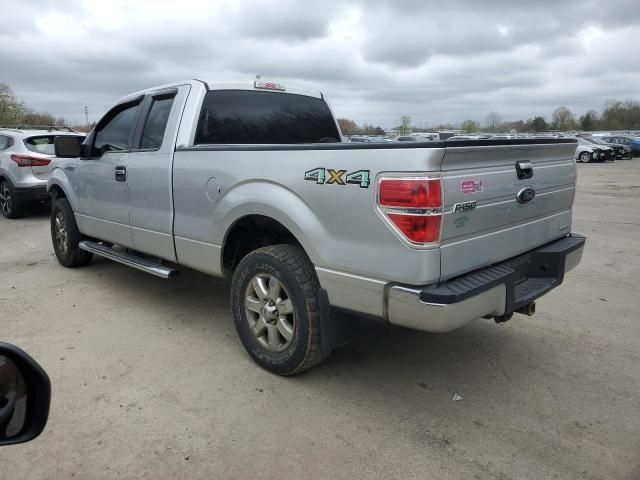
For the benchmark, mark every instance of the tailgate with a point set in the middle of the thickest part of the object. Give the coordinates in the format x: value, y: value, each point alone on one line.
x: 504, y: 221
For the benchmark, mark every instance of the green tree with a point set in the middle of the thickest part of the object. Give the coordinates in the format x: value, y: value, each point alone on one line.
x: 618, y: 114
x: 538, y: 124
x: 470, y: 126
x: 12, y: 109
x: 563, y: 119
x: 589, y: 121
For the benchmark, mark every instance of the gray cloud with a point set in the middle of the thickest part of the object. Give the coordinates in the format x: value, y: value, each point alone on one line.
x: 375, y: 60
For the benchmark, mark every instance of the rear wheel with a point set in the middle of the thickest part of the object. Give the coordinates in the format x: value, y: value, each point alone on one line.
x: 585, y: 157
x: 275, y: 305
x: 66, y: 237
x: 9, y: 205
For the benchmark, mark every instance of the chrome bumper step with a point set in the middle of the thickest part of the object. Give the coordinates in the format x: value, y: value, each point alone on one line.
x: 137, y: 261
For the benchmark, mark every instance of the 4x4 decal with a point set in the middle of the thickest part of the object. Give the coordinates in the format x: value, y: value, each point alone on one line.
x: 338, y: 177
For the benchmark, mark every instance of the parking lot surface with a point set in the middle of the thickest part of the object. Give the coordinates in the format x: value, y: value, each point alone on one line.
x: 150, y: 381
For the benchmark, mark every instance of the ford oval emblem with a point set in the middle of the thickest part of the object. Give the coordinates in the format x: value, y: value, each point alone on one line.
x: 526, y: 195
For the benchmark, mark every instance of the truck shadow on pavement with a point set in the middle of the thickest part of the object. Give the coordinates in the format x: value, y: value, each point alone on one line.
x: 480, y: 354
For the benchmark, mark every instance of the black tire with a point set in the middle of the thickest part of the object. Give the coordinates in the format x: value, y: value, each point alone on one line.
x: 9, y: 205
x: 290, y: 265
x: 70, y: 255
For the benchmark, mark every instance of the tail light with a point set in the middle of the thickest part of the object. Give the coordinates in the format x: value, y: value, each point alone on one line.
x: 29, y: 161
x: 413, y: 208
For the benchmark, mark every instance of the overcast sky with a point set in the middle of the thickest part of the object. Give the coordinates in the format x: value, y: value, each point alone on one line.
x: 374, y: 60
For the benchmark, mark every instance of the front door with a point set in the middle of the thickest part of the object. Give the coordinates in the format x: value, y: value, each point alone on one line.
x: 103, y: 190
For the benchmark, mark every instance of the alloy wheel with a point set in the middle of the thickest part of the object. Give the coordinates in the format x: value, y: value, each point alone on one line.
x: 270, y: 312
x: 61, y: 233
x: 5, y: 200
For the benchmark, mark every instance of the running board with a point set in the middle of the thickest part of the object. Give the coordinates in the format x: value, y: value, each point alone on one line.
x: 146, y: 264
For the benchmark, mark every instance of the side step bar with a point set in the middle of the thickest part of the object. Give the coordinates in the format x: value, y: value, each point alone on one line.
x: 146, y: 264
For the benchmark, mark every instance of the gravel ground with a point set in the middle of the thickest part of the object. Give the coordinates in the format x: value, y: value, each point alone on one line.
x: 150, y: 381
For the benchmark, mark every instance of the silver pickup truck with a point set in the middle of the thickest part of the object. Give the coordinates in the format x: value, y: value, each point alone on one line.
x: 254, y: 181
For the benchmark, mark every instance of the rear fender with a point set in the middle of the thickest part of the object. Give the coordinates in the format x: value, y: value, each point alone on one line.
x: 278, y: 203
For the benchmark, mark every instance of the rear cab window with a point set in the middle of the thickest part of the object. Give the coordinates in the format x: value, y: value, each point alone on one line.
x: 256, y: 117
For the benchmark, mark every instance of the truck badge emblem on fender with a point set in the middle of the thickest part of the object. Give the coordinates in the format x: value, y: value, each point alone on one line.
x: 526, y: 195
x: 329, y: 176
x: 464, y: 207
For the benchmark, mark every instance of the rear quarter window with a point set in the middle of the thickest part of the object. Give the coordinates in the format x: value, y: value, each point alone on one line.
x: 41, y: 144
x: 253, y: 117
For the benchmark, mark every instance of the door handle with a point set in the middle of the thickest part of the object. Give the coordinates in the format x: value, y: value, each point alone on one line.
x: 121, y: 173
x: 524, y: 169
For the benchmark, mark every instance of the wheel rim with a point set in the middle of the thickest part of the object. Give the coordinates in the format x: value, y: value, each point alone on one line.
x: 270, y: 312
x: 585, y: 157
x: 61, y: 233
x: 5, y: 199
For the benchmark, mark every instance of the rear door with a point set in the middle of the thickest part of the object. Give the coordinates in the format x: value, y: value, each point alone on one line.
x: 503, y: 200
x: 150, y: 169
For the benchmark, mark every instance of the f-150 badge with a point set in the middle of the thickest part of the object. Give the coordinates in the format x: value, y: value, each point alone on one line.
x: 464, y: 207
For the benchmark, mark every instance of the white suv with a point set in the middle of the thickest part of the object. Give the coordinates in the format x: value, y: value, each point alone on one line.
x: 26, y: 158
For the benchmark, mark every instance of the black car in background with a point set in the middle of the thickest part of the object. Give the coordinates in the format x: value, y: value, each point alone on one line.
x: 630, y: 141
x: 621, y: 151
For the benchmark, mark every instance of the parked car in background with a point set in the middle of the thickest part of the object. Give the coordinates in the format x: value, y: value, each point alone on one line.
x: 405, y: 138
x: 621, y: 151
x: 26, y: 158
x: 632, y: 142
x: 587, y: 152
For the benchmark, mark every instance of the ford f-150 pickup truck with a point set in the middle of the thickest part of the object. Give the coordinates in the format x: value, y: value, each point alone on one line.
x: 254, y: 181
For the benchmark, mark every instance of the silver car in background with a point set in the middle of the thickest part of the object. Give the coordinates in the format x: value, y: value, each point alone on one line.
x: 26, y: 158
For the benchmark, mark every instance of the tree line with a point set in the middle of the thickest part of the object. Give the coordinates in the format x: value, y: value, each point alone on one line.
x: 13, y: 111
x: 615, y: 115
x: 349, y: 127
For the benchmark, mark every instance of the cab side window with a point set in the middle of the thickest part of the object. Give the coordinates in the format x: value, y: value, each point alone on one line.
x: 156, y: 124
x: 115, y: 133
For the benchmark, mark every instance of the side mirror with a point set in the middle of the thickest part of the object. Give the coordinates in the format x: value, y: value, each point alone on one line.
x: 67, y: 146
x: 25, y: 394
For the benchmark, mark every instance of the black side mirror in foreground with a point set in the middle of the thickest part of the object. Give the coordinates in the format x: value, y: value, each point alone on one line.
x: 67, y: 146
x: 25, y: 394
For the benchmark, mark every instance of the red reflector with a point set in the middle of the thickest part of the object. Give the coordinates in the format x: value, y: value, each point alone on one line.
x: 418, y: 228
x: 27, y: 161
x: 418, y: 193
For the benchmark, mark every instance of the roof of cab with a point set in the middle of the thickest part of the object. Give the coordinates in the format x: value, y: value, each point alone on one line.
x: 224, y: 85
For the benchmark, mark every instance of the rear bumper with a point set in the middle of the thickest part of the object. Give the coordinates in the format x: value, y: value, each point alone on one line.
x: 492, y: 291
x: 26, y: 194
